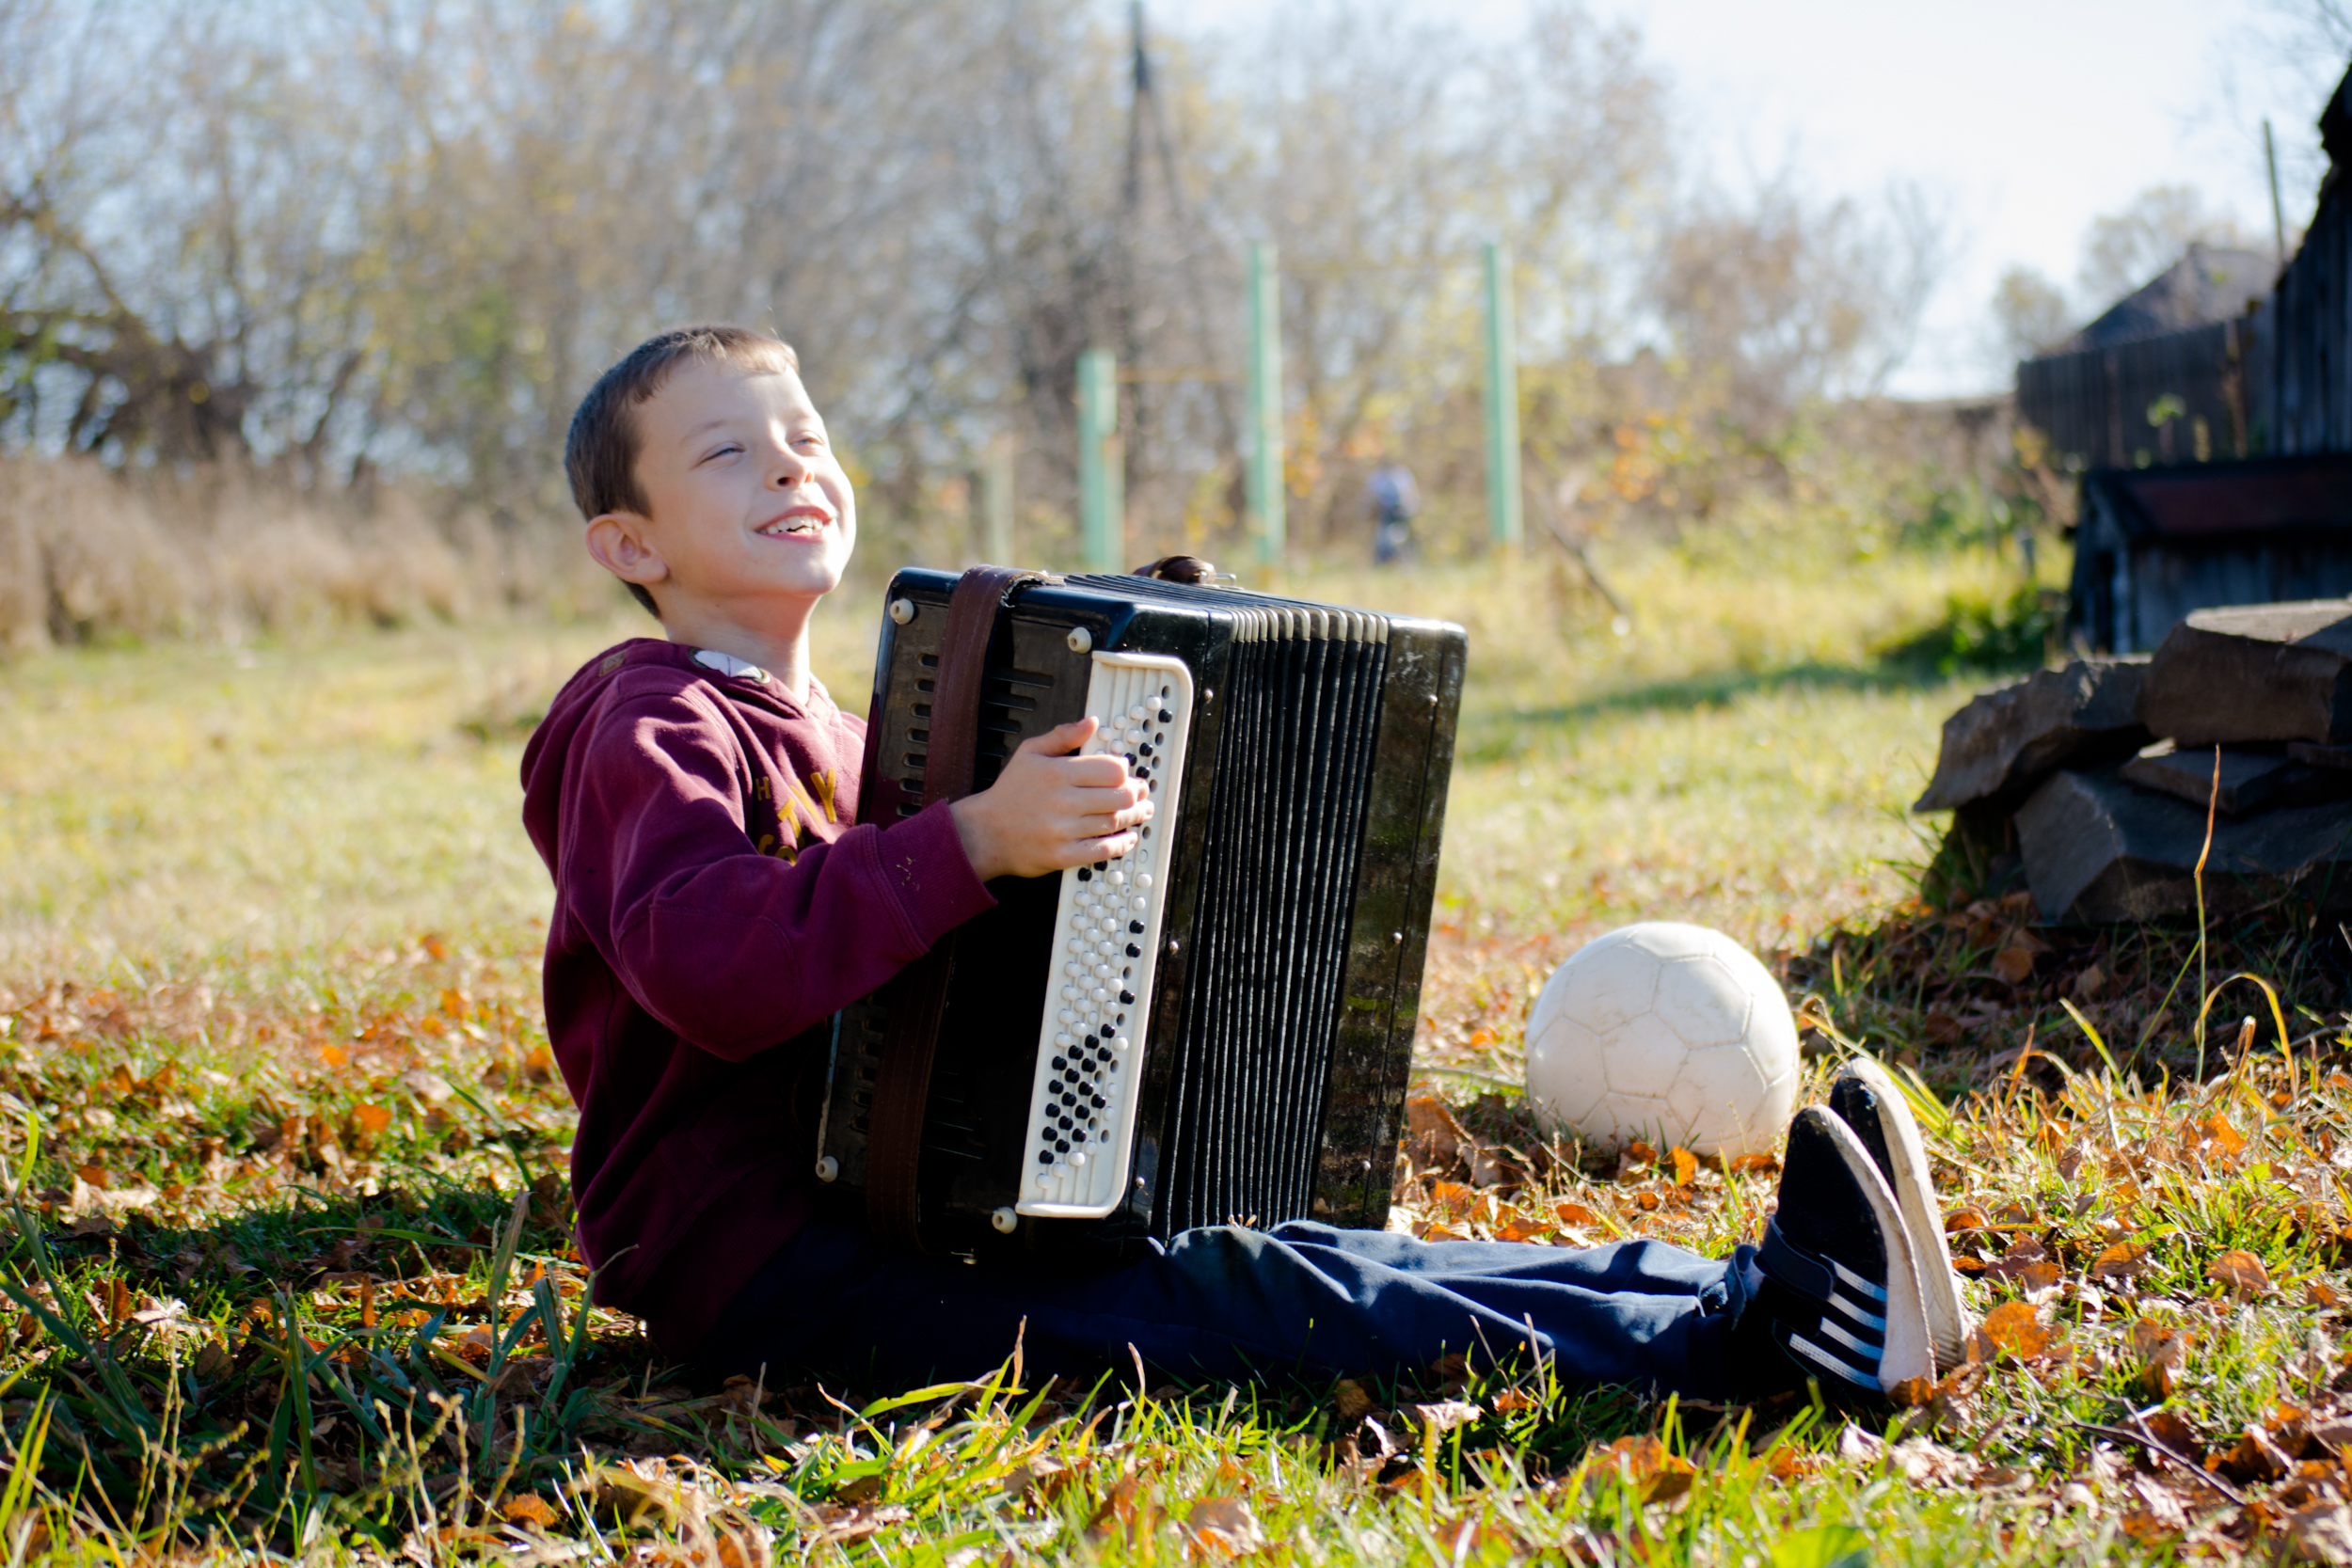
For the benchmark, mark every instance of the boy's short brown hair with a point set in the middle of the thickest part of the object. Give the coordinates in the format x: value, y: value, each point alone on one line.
x: 600, y: 452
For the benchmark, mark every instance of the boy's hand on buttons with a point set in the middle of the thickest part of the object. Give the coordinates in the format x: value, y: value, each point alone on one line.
x: 1050, y: 809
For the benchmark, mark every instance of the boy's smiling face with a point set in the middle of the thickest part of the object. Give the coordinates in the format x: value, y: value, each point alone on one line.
x: 749, y: 516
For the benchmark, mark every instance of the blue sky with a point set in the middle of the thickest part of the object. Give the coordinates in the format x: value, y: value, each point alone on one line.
x: 2025, y: 117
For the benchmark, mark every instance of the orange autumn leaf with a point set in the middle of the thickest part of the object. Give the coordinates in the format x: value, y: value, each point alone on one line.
x: 2122, y: 1261
x: 95, y: 1174
x: 2214, y: 1136
x: 1686, y: 1165
x: 1910, y: 1393
x: 2013, y: 964
x: 2016, y: 1326
x: 1453, y: 1197
x: 453, y: 1002
x: 1967, y: 1217
x: 1521, y: 1230
x: 2038, y: 1276
x: 333, y: 1056
x: 1576, y: 1214
x: 1224, y: 1526
x: 531, y: 1509
x: 1646, y: 1462
x: 2241, y: 1271
x: 371, y: 1119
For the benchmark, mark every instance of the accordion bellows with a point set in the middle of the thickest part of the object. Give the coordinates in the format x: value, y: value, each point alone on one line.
x: 1260, y: 1076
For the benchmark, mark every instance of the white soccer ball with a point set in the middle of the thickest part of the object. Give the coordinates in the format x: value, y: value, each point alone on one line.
x: 1669, y: 1032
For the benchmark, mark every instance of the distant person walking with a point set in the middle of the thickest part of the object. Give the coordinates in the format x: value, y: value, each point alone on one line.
x: 1395, y: 501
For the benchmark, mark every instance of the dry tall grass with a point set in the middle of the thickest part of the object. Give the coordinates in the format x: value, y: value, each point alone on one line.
x: 87, y: 556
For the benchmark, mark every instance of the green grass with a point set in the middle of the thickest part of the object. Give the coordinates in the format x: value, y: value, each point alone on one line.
x: 290, y: 1254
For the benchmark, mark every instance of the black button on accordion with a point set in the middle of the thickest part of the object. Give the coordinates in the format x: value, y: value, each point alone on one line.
x: 1215, y: 1028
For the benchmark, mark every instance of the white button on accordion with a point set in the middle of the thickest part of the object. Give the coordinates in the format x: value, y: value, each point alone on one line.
x: 1216, y: 1027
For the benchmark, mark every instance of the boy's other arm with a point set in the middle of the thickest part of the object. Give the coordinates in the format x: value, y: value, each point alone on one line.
x: 736, y: 950
x: 1049, y: 811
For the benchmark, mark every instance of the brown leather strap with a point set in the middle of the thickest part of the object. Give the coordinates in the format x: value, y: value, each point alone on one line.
x: 902, y: 1080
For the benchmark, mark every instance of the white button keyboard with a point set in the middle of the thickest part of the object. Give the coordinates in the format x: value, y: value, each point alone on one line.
x: 1106, y: 943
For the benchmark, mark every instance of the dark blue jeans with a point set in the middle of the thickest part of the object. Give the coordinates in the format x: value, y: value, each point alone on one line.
x: 1224, y: 1302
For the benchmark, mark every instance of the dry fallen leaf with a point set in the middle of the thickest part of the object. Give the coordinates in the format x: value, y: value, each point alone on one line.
x: 2160, y: 1348
x: 2321, y: 1533
x: 1445, y: 1414
x: 1686, y: 1165
x: 1433, y: 1138
x: 2013, y: 964
x: 2214, y: 1137
x: 2253, y: 1458
x: 1350, y: 1401
x: 371, y: 1119
x: 1125, y: 1509
x: 1910, y: 1392
x: 1644, y: 1461
x: 2016, y: 1326
x: 1576, y: 1214
x: 531, y: 1509
x: 2171, y: 1429
x: 1224, y: 1526
x: 2240, y: 1270
x: 2123, y: 1260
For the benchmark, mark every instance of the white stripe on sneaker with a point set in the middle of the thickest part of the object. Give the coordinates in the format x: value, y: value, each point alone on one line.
x: 1815, y: 1353
x: 1860, y: 1347
x: 1857, y: 1281
x: 1868, y: 1320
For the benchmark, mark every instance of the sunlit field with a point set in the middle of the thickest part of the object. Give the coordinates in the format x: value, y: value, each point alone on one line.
x: 291, y: 1263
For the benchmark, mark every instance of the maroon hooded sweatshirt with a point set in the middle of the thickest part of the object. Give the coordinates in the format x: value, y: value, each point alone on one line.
x: 714, y: 905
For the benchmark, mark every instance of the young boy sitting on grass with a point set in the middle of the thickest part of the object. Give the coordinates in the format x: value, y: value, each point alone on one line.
x: 696, y: 798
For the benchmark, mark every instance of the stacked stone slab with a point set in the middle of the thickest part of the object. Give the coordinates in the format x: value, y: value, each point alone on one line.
x: 2101, y: 774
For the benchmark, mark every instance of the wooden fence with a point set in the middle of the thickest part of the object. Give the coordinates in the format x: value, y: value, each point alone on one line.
x: 2276, y: 382
x: 2301, y: 363
x: 2178, y: 398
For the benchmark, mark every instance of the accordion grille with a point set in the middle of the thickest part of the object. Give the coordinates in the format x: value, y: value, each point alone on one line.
x: 1286, y: 812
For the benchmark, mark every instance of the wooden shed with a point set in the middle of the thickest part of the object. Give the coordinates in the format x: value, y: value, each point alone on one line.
x: 2153, y: 544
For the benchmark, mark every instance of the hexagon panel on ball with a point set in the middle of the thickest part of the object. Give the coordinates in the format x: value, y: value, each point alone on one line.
x: 1666, y: 1029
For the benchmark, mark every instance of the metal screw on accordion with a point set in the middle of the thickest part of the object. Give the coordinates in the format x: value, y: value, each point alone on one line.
x: 902, y: 611
x: 1006, y: 1221
x: 828, y: 1168
x: 1080, y: 639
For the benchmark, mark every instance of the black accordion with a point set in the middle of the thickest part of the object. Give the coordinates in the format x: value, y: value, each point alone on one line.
x: 1217, y: 1028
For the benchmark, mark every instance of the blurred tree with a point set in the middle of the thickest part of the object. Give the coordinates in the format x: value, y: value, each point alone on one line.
x: 329, y: 237
x: 1790, y: 299
x: 2031, y: 315
x: 2126, y: 248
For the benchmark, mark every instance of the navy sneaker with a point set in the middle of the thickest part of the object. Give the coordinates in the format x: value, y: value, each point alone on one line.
x: 1839, y: 1293
x: 1867, y: 1099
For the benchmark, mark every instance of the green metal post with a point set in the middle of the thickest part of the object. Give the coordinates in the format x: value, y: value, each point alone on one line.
x: 1264, y: 487
x: 1102, y: 528
x: 1503, y: 404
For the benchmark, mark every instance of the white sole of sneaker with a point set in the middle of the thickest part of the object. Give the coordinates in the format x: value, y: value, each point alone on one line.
x: 1949, y: 1322
x: 1909, y: 1352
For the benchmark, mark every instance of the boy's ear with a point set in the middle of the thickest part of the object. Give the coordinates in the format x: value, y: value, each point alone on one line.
x: 621, y: 543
